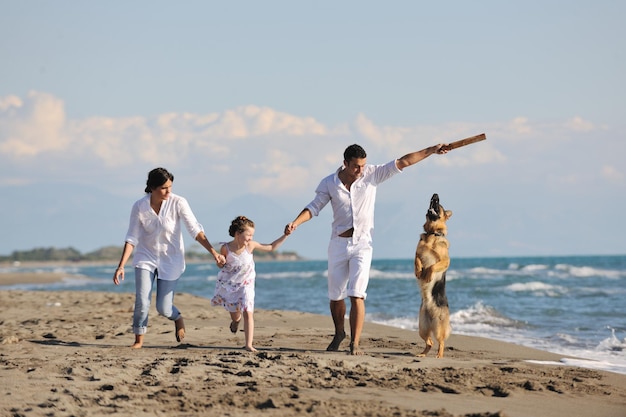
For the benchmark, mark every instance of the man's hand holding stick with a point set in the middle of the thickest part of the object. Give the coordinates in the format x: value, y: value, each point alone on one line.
x: 464, y: 142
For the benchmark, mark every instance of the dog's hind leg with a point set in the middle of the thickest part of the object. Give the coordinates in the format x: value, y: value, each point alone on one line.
x: 440, y: 349
x: 424, y: 331
x: 441, y: 334
x: 429, y: 344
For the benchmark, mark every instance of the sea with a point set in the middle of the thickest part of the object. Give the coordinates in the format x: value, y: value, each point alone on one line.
x: 570, y: 305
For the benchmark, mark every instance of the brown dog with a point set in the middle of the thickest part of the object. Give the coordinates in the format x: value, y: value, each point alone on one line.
x: 431, y: 263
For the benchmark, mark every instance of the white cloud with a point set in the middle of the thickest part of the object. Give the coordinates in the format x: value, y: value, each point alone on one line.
x: 263, y: 121
x: 259, y: 148
x: 253, y: 121
x: 482, y: 154
x: 612, y: 174
x: 278, y: 174
x: 520, y: 126
x: 579, y: 124
x: 32, y: 126
x: 10, y: 102
x: 220, y: 156
x: 380, y: 136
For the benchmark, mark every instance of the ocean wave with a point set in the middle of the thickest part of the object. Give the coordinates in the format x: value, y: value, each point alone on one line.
x: 378, y: 274
x: 484, y: 321
x: 607, y: 355
x: 407, y: 323
x: 481, y: 272
x: 482, y: 315
x: 291, y: 275
x: 612, y: 343
x: 534, y: 267
x: 538, y: 289
x: 588, y: 272
x: 587, y: 363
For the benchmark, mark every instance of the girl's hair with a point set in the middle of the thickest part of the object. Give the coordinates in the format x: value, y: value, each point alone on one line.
x: 354, y: 151
x: 239, y: 225
x: 157, y: 177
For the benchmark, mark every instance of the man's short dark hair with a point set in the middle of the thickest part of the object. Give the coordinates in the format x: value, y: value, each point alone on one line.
x: 354, y: 151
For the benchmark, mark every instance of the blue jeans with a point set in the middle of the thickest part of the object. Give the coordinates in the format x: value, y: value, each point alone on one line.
x: 144, y: 281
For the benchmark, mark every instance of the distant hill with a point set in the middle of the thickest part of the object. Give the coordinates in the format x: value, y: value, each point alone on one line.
x: 113, y: 253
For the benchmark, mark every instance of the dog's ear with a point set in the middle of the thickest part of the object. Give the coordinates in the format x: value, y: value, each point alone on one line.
x: 448, y: 214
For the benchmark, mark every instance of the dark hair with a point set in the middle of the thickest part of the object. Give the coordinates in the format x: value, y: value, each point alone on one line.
x: 354, y: 151
x: 157, y: 177
x: 239, y: 225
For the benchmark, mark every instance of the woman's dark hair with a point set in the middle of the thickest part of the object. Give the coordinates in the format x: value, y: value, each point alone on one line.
x: 239, y: 225
x: 157, y: 177
x: 354, y: 151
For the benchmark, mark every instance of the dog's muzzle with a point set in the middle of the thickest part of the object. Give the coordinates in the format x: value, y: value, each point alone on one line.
x: 433, y: 210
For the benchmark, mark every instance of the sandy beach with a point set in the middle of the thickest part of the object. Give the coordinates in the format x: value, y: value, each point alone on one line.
x: 67, y: 354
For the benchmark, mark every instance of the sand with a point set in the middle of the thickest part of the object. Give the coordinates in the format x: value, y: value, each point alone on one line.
x: 67, y: 354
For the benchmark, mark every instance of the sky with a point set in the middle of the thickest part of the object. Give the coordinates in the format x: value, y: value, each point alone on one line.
x: 250, y: 104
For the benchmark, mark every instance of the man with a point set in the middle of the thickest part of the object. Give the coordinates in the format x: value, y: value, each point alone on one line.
x: 351, y: 191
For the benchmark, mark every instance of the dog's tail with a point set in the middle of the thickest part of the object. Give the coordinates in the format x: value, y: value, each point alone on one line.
x: 439, y: 292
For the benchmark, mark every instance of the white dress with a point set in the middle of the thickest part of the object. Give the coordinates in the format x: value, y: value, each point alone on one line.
x: 234, y: 289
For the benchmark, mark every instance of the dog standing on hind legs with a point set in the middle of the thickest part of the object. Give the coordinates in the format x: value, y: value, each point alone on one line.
x: 431, y: 263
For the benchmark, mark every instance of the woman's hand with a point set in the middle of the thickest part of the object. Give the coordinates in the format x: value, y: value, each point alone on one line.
x: 220, y: 260
x: 118, y: 276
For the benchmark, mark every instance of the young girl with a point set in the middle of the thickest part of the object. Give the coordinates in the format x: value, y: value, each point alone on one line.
x: 234, y: 289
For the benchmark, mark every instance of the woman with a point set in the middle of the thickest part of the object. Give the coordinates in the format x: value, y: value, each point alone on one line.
x: 155, y: 232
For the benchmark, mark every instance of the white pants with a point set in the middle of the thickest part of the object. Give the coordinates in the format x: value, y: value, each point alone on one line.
x: 348, y: 268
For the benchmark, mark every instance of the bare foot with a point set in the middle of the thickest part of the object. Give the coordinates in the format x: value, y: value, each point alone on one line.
x: 334, y: 345
x: 355, y: 351
x: 138, y: 342
x: 180, y: 329
x: 234, y: 325
x: 250, y: 349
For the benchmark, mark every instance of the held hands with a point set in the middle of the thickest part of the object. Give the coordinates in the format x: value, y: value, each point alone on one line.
x: 220, y: 260
x: 290, y: 228
x: 441, y: 148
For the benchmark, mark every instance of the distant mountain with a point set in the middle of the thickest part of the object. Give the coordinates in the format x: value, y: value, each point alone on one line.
x: 112, y: 253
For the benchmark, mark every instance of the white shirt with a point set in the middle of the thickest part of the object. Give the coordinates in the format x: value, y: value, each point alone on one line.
x: 158, y: 239
x: 354, y: 208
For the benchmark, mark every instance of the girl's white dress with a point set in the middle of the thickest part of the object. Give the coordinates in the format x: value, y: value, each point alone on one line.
x: 234, y: 289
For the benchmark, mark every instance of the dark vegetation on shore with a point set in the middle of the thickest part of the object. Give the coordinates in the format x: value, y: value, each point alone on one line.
x: 113, y: 253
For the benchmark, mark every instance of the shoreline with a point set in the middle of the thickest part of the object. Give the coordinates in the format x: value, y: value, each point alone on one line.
x: 10, y: 279
x: 15, y: 278
x: 68, y: 352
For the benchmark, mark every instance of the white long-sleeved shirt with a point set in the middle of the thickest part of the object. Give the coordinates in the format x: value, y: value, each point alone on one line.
x: 354, y: 208
x: 158, y: 239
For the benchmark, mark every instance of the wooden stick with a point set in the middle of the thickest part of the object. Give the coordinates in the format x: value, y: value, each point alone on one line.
x: 466, y: 141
